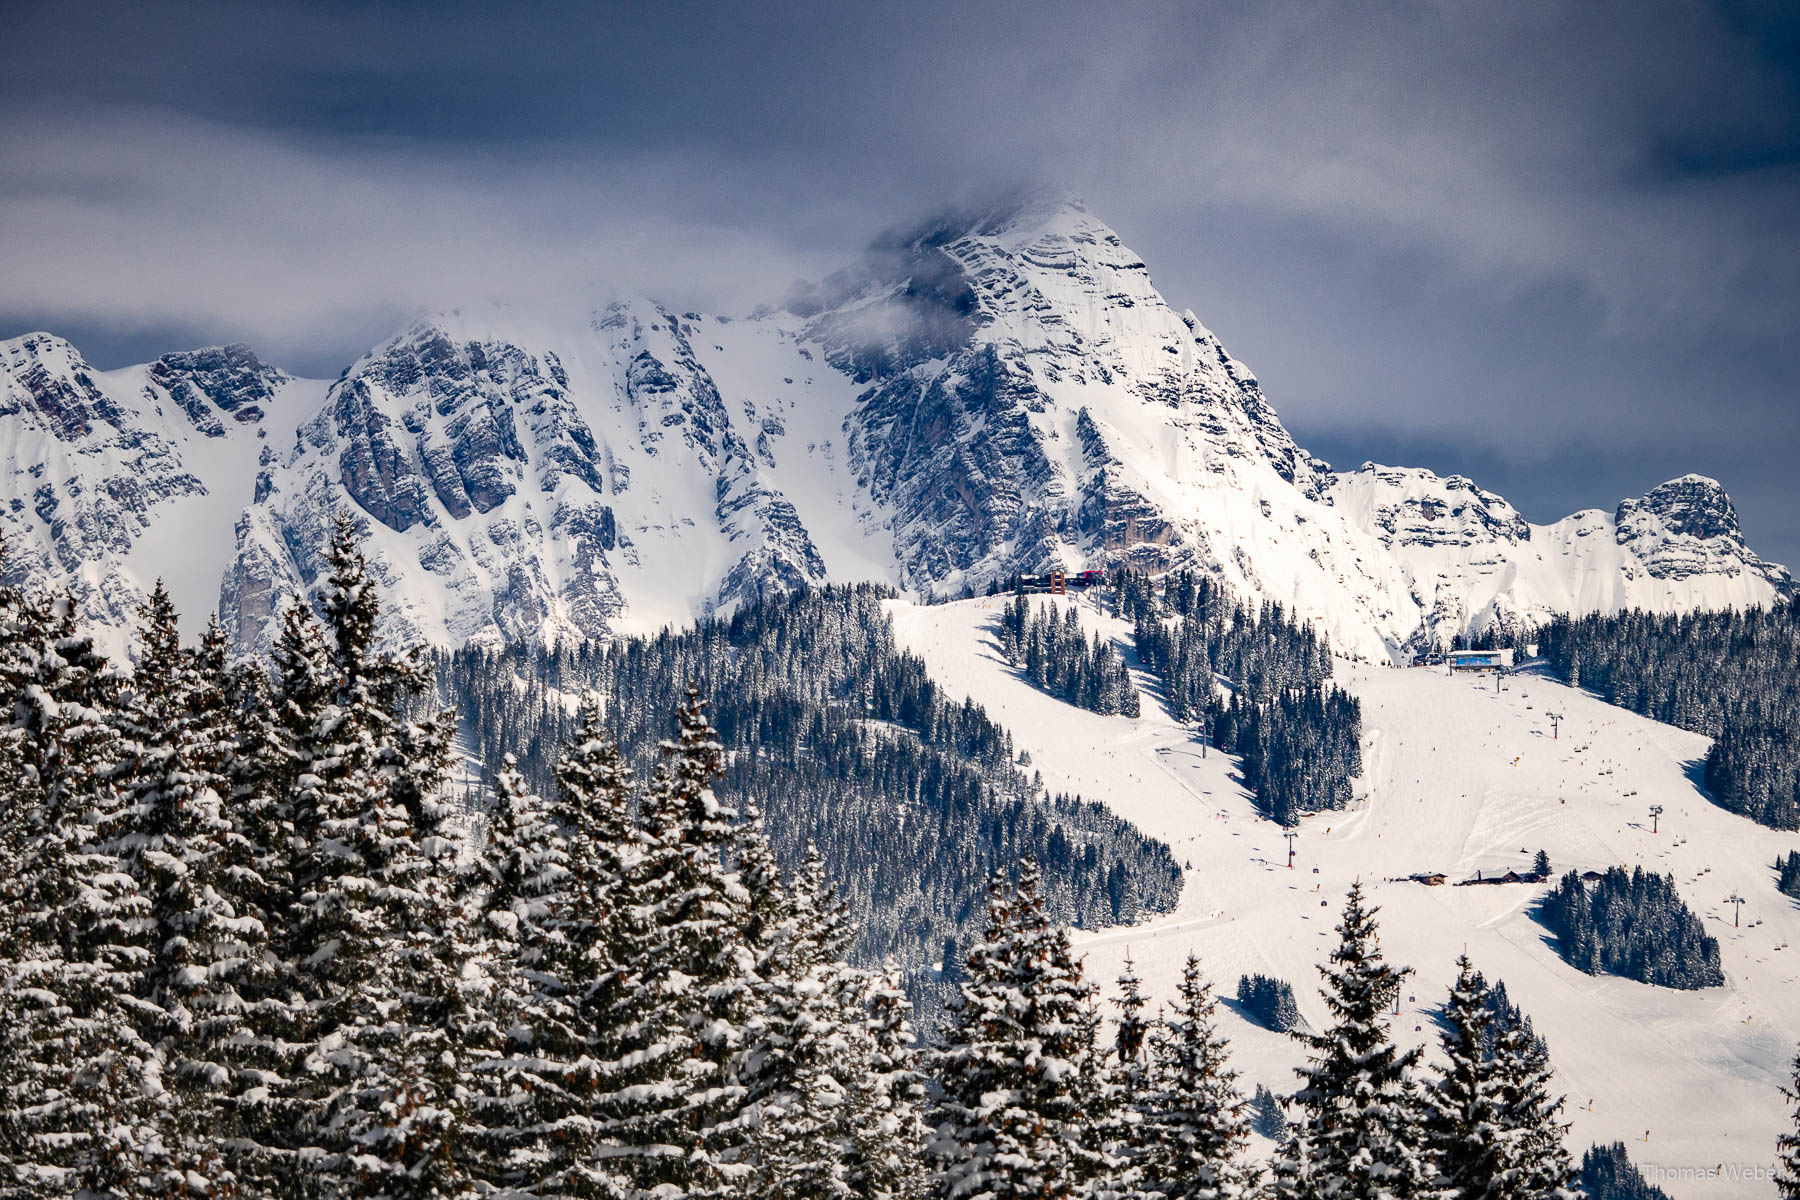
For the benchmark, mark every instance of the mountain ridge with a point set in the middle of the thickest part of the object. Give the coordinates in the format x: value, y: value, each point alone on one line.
x: 998, y: 391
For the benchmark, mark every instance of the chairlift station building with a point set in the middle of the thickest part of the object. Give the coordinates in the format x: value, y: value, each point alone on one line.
x: 1481, y: 660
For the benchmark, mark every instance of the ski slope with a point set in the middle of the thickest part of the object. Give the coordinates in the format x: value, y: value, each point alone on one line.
x: 1458, y: 777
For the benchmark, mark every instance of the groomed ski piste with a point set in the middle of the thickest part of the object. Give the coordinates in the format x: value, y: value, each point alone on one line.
x: 1458, y: 777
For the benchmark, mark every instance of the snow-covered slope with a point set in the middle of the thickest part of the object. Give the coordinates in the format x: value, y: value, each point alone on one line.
x: 1459, y: 778
x: 111, y: 479
x: 998, y: 391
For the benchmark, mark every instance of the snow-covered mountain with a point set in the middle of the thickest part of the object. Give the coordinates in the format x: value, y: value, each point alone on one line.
x: 1470, y: 559
x: 525, y: 480
x: 999, y: 391
x: 112, y: 478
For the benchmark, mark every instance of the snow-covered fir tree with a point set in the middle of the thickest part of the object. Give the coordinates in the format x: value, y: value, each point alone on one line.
x: 1021, y: 1087
x: 207, y: 946
x: 76, y: 1068
x: 1467, y: 1130
x: 377, y: 1010
x: 1522, y: 1064
x: 518, y: 882
x: 1195, y: 1122
x: 684, y: 1124
x: 1491, y: 1123
x: 1127, y: 1081
x: 1360, y: 1133
x: 580, y: 1029
x: 889, y: 1116
x: 808, y: 1047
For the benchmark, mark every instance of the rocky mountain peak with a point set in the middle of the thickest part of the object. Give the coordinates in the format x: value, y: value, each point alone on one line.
x: 1688, y: 528
x: 1410, y: 506
x: 1692, y: 506
x: 46, y: 383
x: 230, y: 379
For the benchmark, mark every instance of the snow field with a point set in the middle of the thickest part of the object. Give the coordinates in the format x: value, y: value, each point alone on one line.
x: 1458, y: 777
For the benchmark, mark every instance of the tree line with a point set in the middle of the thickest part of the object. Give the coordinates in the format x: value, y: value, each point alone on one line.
x: 911, y: 798
x: 248, y: 947
x: 1733, y: 676
x: 1298, y: 736
x: 1632, y: 924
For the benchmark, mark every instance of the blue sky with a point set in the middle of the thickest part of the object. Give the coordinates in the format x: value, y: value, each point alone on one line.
x: 1552, y: 246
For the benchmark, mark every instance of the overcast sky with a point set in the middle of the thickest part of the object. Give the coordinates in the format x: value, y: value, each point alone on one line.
x: 1552, y: 246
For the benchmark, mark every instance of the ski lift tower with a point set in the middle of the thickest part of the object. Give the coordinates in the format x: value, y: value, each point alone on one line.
x: 1555, y: 725
x: 1737, y: 915
x: 1291, y: 835
x: 1656, y: 811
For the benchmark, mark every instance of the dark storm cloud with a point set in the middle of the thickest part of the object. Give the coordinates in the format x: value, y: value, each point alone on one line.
x: 1551, y: 245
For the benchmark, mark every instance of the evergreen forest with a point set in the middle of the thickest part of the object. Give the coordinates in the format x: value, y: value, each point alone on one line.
x: 911, y: 798
x: 1733, y: 676
x: 1632, y: 924
x: 1256, y: 683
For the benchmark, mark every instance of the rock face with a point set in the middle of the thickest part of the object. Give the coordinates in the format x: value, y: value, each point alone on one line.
x: 104, y: 473
x: 1688, y: 528
x: 996, y: 391
x: 551, y: 483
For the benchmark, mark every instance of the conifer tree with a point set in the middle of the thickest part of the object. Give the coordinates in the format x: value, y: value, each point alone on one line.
x: 567, y: 932
x: 1127, y: 1082
x: 889, y: 1112
x: 681, y: 1123
x: 373, y: 936
x: 1360, y: 1135
x: 1196, y: 1124
x: 1522, y: 1065
x: 1474, y: 1151
x: 1787, y: 1146
x: 256, y: 797
x: 79, y: 1072
x: 206, y: 948
x: 518, y: 879
x: 808, y: 1051
x: 1019, y: 1071
x: 1131, y: 1030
